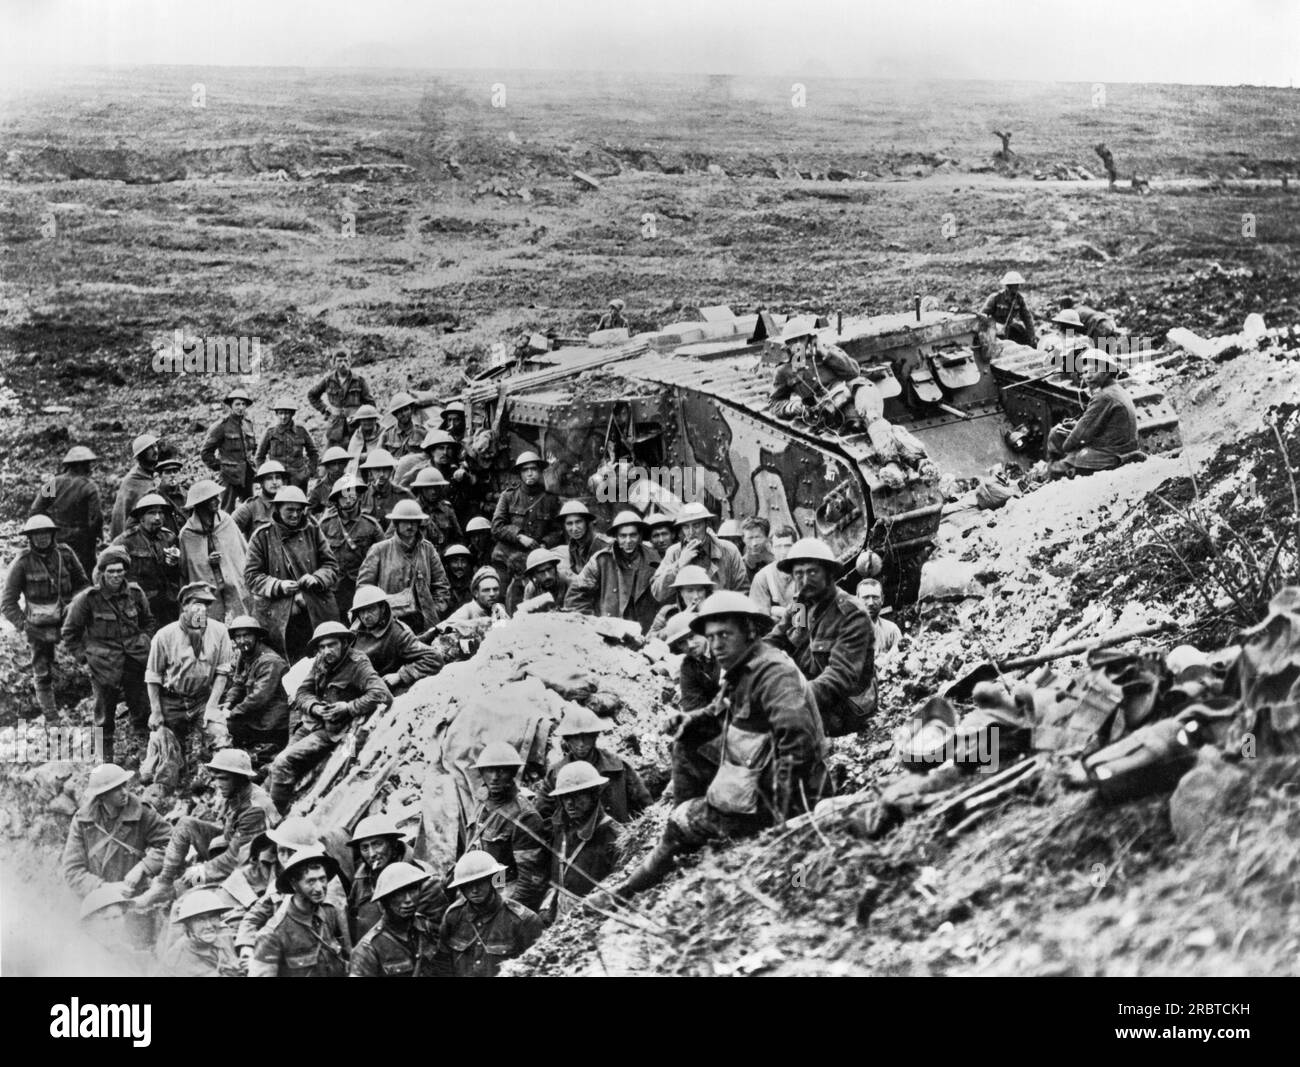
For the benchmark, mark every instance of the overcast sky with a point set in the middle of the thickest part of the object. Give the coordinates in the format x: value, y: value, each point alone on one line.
x: 1217, y: 42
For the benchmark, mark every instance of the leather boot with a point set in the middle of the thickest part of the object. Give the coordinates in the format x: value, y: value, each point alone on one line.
x: 650, y: 872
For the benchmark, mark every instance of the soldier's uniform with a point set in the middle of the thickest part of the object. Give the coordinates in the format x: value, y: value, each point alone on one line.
x: 294, y: 448
x: 188, y: 958
x: 514, y: 835
x: 477, y: 945
x: 259, y: 708
x: 149, y: 569
x: 364, y: 912
x: 794, y: 387
x: 72, y: 501
x: 176, y: 518
x: 278, y: 553
x: 301, y: 942
x: 396, y: 650
x: 229, y: 450
x: 350, y: 540
x: 402, y: 443
x: 252, y: 513
x: 623, y: 798
x: 523, y: 512
x: 42, y: 580
x: 583, y: 855
x: 442, y: 528
x: 414, y: 579
x: 1010, y: 311
x: 137, y: 482
x: 345, y: 396
x: 385, y: 953
x: 379, y: 502
x: 103, y: 848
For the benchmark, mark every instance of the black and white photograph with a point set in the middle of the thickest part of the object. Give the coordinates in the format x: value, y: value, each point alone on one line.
x: 726, y: 489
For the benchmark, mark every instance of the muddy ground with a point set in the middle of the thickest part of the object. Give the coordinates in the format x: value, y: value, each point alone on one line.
x: 408, y: 218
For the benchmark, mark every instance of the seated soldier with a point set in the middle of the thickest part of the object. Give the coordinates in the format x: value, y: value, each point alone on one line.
x: 541, y: 576
x: 692, y: 586
x: 695, y: 728
x: 399, y: 657
x: 624, y: 797
x: 207, y: 949
x: 1105, y: 432
x: 255, y: 707
x: 377, y: 845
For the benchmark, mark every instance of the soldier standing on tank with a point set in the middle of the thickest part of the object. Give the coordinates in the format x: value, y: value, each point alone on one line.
x: 1009, y: 311
x: 71, y: 499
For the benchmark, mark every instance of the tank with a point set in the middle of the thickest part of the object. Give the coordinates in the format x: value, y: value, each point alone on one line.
x: 683, y: 415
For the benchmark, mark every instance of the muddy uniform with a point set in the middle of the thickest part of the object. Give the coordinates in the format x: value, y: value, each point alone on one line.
x: 350, y: 539
x: 364, y: 912
x: 834, y: 647
x: 137, y: 482
x: 243, y: 817
x: 252, y: 513
x: 443, y: 528
x: 608, y: 586
x: 523, y: 512
x: 188, y: 958
x: 582, y: 856
x: 43, y: 580
x: 623, y: 798
x: 514, y: 835
x: 395, y: 650
x: 722, y: 562
x: 1106, y: 430
x: 302, y: 942
x: 414, y: 579
x: 113, y: 631
x: 104, y: 848
x: 384, y: 952
x: 294, y: 448
x: 579, y: 552
x: 345, y: 396
x: 226, y: 577
x: 228, y: 450
x: 149, y: 569
x: 402, y: 443
x: 379, y: 502
x: 477, y: 944
x: 278, y: 554
x: 1012, y: 315
x: 795, y: 387
x: 259, y: 708
x: 72, y: 501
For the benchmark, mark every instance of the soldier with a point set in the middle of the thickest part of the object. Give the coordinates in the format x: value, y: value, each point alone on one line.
x: 351, y: 534
x: 887, y: 635
x: 830, y: 637
x: 230, y: 447
x: 431, y: 490
x: 767, y: 707
x: 484, y: 928
x: 507, y: 826
x: 771, y: 588
x: 696, y: 745
x: 108, y: 627
x: 382, y: 493
x: 729, y: 531
x: 407, y: 568
x: 404, y: 942
x: 256, y: 510
x: 1010, y: 313
x: 698, y: 676
x: 616, y: 580
x: 45, y: 575
x: 189, y: 665
x: 291, y: 573
x: 306, y: 937
x: 290, y: 444
x: 282, y: 841
x: 581, y: 539
x: 584, y: 841
x: 1084, y: 321
x: 346, y: 392
x: 1107, y: 429
x: 809, y: 368
x: 255, y: 706
x: 377, y: 845
x: 699, y: 545
x: 437, y: 449
x: 485, y: 599
x: 526, y: 517
x: 140, y: 479
x: 754, y: 547
x: 624, y: 796
x: 341, y: 688
x: 153, y: 556
x: 207, y: 950
x: 452, y: 420
x: 213, y: 550
x: 388, y: 643
x: 659, y: 532
x: 404, y: 436
x: 168, y: 470
x: 335, y: 462
x: 114, y: 837
x: 247, y: 884
x: 457, y: 560
x: 365, y: 434
x: 246, y: 811
x: 478, y: 538
x: 71, y: 499
x: 692, y: 586
x: 542, y: 575
x: 613, y: 319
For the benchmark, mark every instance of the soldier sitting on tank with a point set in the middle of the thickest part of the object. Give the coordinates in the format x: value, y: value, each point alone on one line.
x: 1010, y: 313
x: 1091, y: 323
x: 1105, y: 433
x: 809, y: 368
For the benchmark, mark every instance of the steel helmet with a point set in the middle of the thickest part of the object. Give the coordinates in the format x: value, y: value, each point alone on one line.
x: 627, y: 518
x: 246, y: 622
x: 692, y: 575
x: 617, y: 304
x: 304, y: 856
x: 437, y: 437
x: 576, y: 777
x: 271, y: 466
x: 348, y: 481
x: 289, y: 494
x: 1096, y: 356
x: 367, y: 596
x: 810, y: 550
x: 285, y: 404
x: 150, y: 500
x: 581, y: 720
x: 795, y: 329
x: 236, y: 394
x: 365, y: 411
x: 574, y: 507
x: 406, y: 511
x: 677, y: 627
x: 329, y: 629
x: 456, y: 407
x: 498, y: 754
x: 400, y: 402
x: 79, y: 454
x: 1068, y: 317
x: 398, y: 876
x: 334, y: 454
x: 104, y: 779
x: 528, y: 458
x: 232, y: 761
x: 376, y: 826
x: 455, y: 550
x: 656, y: 518
x: 1012, y: 277
x: 105, y: 896
x: 728, y: 602
x: 297, y: 831
x: 729, y: 528
x: 428, y: 477
x: 378, y: 459
x: 476, y: 524
x: 144, y: 441
x: 540, y: 557
x: 693, y: 513
x: 474, y: 866
x: 200, y: 902
x: 204, y: 489
x: 37, y: 523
